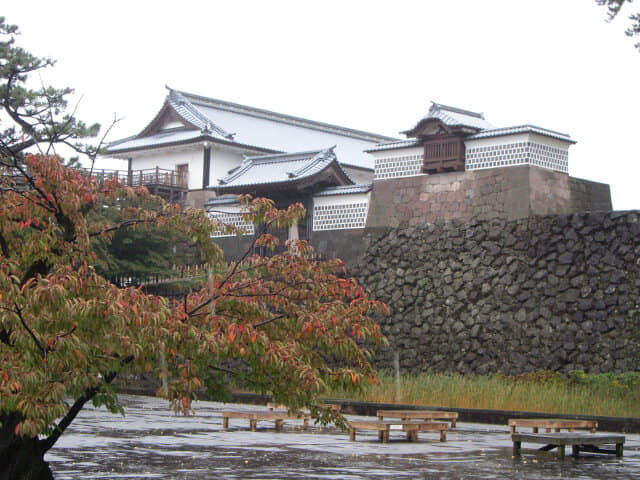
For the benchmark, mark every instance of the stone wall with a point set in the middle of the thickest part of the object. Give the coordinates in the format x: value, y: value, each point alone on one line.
x: 557, y: 292
x: 508, y: 193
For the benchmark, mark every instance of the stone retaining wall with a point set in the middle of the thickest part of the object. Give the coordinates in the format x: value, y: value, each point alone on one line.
x: 557, y: 292
x: 508, y: 193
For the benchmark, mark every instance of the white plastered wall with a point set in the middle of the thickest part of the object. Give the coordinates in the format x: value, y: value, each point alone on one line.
x: 399, y: 162
x: 340, y: 212
x: 170, y: 158
x: 519, y: 149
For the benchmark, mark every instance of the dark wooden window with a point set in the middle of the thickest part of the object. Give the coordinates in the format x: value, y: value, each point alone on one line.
x: 443, y: 154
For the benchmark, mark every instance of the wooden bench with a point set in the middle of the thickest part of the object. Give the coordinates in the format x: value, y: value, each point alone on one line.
x: 585, y: 442
x: 384, y: 426
x: 551, y: 423
x: 419, y: 414
x: 333, y: 407
x: 254, y: 416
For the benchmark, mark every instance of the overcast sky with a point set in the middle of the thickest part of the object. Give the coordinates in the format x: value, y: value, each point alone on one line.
x: 370, y: 65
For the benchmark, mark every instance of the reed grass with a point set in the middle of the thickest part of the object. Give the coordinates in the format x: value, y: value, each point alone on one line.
x: 548, y: 392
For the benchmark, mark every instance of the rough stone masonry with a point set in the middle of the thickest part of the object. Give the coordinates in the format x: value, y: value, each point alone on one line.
x: 559, y: 292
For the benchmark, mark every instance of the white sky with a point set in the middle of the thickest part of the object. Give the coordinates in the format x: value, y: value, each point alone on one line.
x: 371, y: 65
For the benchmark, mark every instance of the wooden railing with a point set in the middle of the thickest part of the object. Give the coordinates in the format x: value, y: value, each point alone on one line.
x: 146, y: 177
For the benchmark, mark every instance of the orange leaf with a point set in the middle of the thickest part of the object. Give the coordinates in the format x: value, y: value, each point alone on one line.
x: 232, y: 334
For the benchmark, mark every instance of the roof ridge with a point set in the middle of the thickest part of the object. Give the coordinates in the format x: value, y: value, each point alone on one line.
x: 282, y: 156
x: 440, y: 106
x: 525, y: 125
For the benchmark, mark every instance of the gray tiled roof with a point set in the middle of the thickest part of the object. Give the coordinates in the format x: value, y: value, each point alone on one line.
x: 412, y: 142
x: 189, y: 112
x: 453, y: 116
x: 222, y: 200
x: 498, y: 132
x: 279, y: 168
x: 344, y: 190
x: 162, y: 138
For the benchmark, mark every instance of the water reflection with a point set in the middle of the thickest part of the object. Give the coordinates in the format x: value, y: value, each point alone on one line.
x: 152, y: 443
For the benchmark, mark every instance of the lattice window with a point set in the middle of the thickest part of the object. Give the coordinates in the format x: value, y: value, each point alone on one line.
x: 404, y: 166
x: 340, y: 217
x: 520, y: 153
x: 232, y: 219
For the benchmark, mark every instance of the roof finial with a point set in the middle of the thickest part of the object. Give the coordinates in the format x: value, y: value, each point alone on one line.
x: 208, y: 128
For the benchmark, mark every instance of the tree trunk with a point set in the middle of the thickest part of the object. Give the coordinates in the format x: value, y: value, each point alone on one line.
x: 20, y: 458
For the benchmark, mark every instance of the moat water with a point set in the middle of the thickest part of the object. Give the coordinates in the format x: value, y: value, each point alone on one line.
x: 150, y: 442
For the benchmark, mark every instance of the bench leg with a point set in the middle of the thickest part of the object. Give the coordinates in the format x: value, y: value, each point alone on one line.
x: 279, y: 424
x: 385, y: 435
x: 570, y: 430
x: 557, y: 430
x: 253, y: 425
x: 225, y: 422
x: 516, y: 448
x: 381, y: 435
x: 535, y: 429
x: 453, y: 423
x: 352, y: 434
x: 619, y: 448
x: 561, y: 451
x: 443, y: 435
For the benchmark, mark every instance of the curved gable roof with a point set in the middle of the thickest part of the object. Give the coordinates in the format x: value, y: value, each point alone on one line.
x: 283, y: 169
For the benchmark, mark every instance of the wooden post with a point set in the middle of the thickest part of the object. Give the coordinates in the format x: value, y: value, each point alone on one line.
x: 443, y: 435
x: 225, y: 422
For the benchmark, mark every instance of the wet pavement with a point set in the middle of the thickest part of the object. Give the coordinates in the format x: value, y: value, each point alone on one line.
x: 150, y: 442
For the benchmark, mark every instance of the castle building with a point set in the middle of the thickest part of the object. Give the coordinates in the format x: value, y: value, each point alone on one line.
x: 453, y: 164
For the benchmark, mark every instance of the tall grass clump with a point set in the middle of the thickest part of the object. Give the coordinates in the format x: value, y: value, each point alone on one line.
x: 545, y: 391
